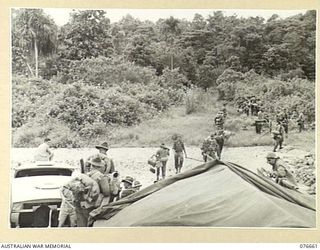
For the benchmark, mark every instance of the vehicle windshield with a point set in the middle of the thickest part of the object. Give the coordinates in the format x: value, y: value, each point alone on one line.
x: 43, y: 171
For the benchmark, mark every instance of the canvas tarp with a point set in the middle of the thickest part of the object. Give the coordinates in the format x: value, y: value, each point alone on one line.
x: 214, y: 194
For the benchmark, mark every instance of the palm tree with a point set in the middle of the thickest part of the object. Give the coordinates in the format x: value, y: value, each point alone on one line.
x: 36, y: 32
x: 170, y: 28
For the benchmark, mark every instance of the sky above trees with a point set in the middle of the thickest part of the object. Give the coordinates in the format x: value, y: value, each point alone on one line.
x: 61, y: 15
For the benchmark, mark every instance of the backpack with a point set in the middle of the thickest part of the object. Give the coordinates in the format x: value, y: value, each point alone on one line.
x: 218, y: 120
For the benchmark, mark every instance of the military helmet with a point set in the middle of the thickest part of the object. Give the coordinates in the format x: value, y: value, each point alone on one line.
x: 128, y: 179
x: 272, y: 156
x: 104, y: 145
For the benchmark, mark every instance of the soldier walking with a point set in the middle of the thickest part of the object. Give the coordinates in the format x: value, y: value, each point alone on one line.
x: 301, y: 122
x: 219, y: 121
x: 179, y: 149
x: 259, y: 122
x: 219, y: 137
x: 162, y: 156
x: 246, y: 107
x: 209, y: 148
x: 278, y: 136
x: 285, y: 120
x: 224, y: 111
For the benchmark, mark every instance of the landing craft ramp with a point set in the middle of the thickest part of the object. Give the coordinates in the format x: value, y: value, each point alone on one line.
x: 215, y: 194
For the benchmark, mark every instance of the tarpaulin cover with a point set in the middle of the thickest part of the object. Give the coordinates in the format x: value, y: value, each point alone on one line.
x: 214, y: 194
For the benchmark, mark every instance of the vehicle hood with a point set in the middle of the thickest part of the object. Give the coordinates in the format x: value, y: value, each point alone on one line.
x: 37, y: 187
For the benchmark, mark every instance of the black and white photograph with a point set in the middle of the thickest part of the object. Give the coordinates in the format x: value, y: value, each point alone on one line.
x: 162, y: 118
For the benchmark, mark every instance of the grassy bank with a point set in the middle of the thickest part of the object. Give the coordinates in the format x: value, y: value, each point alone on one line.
x: 198, y: 125
x: 194, y: 120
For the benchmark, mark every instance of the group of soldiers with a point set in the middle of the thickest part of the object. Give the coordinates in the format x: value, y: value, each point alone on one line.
x: 211, y: 149
x: 279, y: 126
x: 97, y: 185
x: 250, y: 105
x: 212, y: 146
x: 99, y: 182
x: 162, y: 156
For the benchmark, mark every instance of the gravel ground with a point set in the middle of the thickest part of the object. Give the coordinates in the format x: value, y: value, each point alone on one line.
x: 133, y: 161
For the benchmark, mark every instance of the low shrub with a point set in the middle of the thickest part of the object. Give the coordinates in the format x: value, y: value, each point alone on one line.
x: 104, y: 72
x: 33, y: 133
x: 193, y: 101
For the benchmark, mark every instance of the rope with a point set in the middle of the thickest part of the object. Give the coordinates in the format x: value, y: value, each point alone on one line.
x: 194, y: 159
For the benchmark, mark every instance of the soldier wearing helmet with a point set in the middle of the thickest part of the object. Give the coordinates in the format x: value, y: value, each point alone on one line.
x: 278, y: 135
x: 209, y: 148
x: 108, y: 164
x: 219, y: 121
x: 219, y: 137
x: 280, y: 172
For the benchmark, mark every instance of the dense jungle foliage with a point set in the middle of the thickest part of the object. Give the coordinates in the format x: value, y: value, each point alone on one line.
x: 81, y: 81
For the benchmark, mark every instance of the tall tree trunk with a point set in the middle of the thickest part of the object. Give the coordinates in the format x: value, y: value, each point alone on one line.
x: 30, y: 69
x: 171, y: 56
x: 36, y: 55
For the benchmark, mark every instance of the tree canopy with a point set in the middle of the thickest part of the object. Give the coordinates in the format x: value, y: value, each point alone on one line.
x: 200, y: 48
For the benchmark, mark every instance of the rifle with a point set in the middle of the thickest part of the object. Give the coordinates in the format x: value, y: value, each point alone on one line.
x: 267, y: 132
x: 210, y: 158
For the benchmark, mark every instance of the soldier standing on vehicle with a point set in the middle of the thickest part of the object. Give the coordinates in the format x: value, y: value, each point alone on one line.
x: 179, y: 149
x: 43, y: 152
x: 109, y: 166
